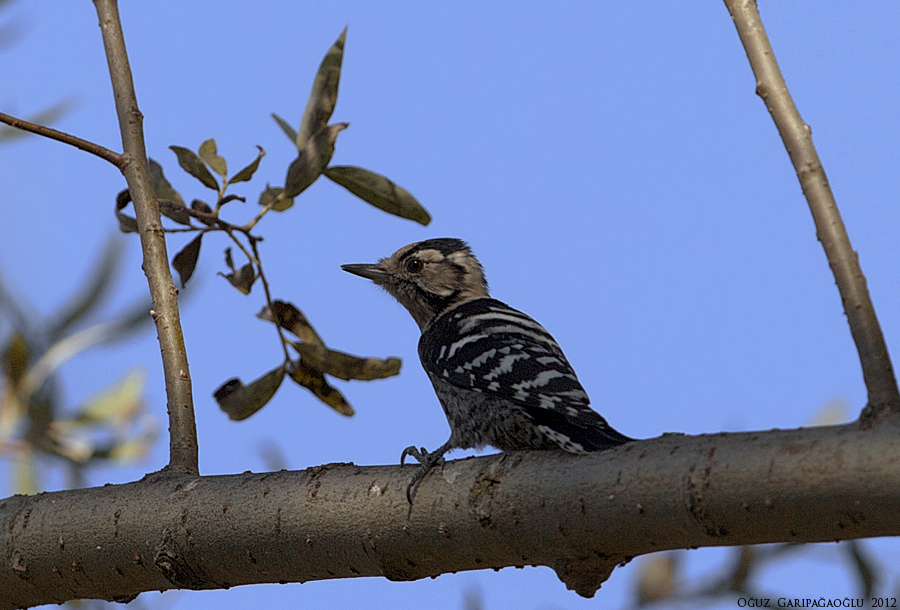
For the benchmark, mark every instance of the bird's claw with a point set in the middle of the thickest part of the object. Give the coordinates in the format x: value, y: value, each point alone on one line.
x: 413, y: 451
x: 427, y: 461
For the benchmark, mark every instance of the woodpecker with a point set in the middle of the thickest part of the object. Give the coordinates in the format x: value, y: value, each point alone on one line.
x: 500, y: 376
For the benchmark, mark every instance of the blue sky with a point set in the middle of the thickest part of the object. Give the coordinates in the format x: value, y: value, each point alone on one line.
x: 608, y: 162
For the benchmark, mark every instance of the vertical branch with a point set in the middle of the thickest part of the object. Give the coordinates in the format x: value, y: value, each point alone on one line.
x: 182, y: 429
x: 878, y: 373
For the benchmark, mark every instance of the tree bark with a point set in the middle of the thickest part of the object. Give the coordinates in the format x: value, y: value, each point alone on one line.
x: 580, y: 515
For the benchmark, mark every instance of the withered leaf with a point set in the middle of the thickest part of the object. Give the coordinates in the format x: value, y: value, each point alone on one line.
x: 291, y: 319
x: 232, y: 197
x: 192, y: 164
x: 127, y: 224
x: 344, y: 366
x: 186, y: 261
x: 240, y: 401
x: 313, y: 380
x: 242, y: 278
x: 312, y: 160
x: 379, y: 191
x: 323, y: 96
x: 209, y: 153
x: 275, y: 196
x: 245, y: 174
x: 208, y: 218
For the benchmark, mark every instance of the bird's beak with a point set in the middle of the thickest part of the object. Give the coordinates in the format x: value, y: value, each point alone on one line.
x: 368, y: 271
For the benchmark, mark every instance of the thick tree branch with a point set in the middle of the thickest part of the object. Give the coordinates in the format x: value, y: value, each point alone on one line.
x: 48, y: 132
x: 180, y: 403
x: 580, y: 515
x: 878, y: 372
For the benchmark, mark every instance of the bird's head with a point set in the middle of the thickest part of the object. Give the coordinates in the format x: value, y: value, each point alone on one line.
x: 428, y: 277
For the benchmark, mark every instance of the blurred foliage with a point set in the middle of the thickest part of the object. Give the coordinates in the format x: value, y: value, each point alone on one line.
x: 10, y: 33
x: 35, y: 424
x: 660, y: 583
x: 306, y: 359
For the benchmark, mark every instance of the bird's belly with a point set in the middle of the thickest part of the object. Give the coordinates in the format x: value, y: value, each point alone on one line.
x: 477, y: 419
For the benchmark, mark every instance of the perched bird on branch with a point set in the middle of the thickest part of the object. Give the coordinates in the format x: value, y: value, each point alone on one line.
x: 501, y: 378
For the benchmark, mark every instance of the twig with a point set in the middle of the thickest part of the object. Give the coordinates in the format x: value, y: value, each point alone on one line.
x: 269, y: 301
x: 255, y: 259
x: 180, y: 404
x: 878, y: 373
x: 95, y: 149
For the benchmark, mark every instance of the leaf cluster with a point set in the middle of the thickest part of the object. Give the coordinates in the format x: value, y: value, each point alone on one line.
x: 306, y: 359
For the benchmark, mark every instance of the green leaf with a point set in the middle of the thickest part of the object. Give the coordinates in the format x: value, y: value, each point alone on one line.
x: 245, y: 174
x: 323, y: 96
x: 313, y: 380
x: 192, y: 164
x: 160, y: 185
x: 344, y: 366
x: 275, y: 195
x: 210, y: 154
x: 127, y: 224
x: 379, y: 191
x: 171, y: 204
x: 290, y: 318
x: 186, y: 261
x: 289, y: 131
x: 240, y: 401
x: 312, y: 160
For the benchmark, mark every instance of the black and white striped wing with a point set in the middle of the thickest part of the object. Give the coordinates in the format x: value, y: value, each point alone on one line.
x: 486, y: 346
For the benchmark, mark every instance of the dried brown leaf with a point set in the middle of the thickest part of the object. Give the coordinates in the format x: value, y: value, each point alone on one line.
x: 240, y: 401
x: 344, y: 366
x: 290, y: 318
x: 246, y: 173
x: 313, y: 380
x: 127, y: 224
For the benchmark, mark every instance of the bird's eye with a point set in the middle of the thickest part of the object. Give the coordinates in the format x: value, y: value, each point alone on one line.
x: 414, y: 265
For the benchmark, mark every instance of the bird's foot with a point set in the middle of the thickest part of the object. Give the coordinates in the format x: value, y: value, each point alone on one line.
x: 427, y: 461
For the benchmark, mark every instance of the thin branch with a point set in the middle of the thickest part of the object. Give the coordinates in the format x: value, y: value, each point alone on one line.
x: 269, y: 302
x: 48, y: 132
x: 266, y: 209
x: 180, y: 403
x: 255, y: 259
x: 878, y: 373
